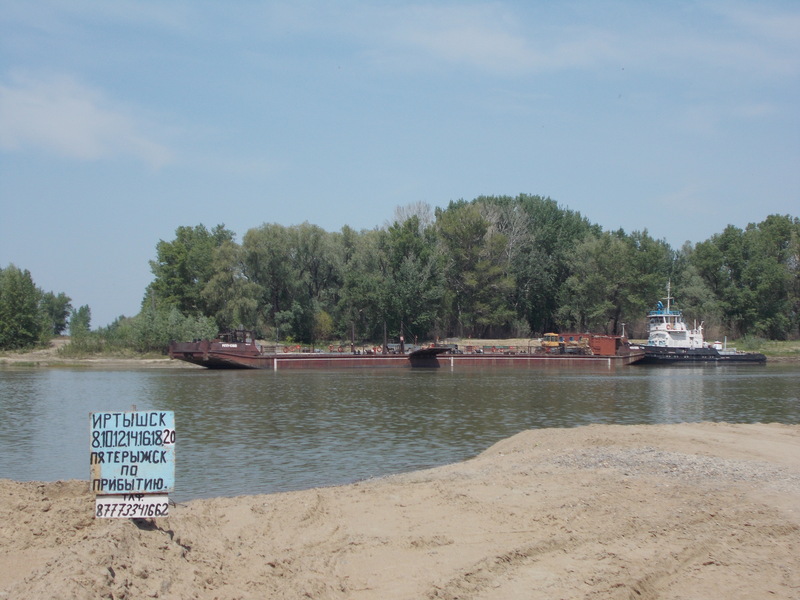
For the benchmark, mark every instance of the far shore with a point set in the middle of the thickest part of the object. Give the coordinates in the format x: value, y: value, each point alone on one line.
x: 50, y: 357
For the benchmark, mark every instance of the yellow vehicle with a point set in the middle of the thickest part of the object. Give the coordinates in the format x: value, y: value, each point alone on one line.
x: 550, y: 341
x: 566, y: 343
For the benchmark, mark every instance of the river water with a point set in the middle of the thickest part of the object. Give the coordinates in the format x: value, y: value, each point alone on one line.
x: 250, y: 432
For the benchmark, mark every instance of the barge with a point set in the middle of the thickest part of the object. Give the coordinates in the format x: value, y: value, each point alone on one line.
x: 240, y: 350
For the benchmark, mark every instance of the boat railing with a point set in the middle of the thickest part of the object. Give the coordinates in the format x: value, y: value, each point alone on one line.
x: 664, y: 312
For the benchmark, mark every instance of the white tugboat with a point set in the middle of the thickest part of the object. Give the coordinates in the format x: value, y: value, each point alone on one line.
x: 670, y: 340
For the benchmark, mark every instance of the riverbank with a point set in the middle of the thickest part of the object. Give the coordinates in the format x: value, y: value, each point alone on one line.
x: 778, y: 352
x: 604, y: 511
x: 51, y: 357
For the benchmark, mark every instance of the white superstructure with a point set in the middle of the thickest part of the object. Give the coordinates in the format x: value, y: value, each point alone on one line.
x: 667, y: 329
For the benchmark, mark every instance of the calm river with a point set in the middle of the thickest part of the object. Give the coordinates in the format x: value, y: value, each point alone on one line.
x: 249, y: 432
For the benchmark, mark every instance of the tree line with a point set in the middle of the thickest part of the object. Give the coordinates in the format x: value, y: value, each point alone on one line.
x: 31, y: 317
x: 28, y: 315
x: 496, y: 266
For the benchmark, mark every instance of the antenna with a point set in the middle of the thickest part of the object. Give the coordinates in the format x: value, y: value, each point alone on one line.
x: 669, y: 296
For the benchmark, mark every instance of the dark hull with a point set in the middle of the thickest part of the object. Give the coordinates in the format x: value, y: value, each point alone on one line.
x: 660, y: 356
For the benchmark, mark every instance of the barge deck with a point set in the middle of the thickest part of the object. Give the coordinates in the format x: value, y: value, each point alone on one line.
x: 245, y: 353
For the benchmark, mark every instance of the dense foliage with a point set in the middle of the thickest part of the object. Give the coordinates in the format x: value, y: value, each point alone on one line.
x: 28, y: 315
x: 492, y: 267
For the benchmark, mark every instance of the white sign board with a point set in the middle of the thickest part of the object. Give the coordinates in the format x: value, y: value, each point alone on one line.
x: 132, y: 452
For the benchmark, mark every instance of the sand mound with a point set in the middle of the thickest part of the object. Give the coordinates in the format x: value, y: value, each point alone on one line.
x: 677, y: 511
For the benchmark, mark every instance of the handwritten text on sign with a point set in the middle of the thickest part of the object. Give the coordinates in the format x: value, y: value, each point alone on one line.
x: 132, y: 452
x: 131, y: 506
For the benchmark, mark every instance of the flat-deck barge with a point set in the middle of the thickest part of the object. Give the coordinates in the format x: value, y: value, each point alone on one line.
x: 239, y: 350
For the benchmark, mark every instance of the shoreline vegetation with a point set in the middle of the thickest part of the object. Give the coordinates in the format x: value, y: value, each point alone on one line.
x: 697, y: 510
x: 494, y: 267
x: 57, y: 354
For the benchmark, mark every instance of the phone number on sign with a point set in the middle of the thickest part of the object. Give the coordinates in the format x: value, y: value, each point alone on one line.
x: 119, y: 508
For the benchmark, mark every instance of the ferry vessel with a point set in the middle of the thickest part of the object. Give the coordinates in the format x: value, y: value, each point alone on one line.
x: 671, y: 341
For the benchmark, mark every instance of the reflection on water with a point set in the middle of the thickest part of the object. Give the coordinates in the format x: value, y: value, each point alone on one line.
x: 245, y: 432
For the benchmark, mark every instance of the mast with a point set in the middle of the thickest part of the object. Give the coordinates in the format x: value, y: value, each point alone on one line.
x: 669, y: 297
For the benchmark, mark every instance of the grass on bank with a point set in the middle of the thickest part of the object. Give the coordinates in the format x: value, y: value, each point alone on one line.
x: 64, y: 348
x: 777, y: 349
x: 79, y: 351
x: 774, y: 348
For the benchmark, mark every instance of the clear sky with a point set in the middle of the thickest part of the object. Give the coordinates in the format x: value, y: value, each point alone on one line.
x: 121, y: 121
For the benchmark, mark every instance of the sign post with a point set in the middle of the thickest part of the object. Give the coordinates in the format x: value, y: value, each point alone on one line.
x: 132, y: 460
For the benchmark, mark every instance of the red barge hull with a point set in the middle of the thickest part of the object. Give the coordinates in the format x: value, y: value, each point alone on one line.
x: 529, y: 361
x: 214, y: 354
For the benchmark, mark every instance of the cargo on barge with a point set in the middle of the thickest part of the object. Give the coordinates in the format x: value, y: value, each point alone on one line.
x: 240, y: 350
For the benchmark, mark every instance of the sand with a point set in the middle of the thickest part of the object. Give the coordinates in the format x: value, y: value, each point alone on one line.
x: 689, y: 511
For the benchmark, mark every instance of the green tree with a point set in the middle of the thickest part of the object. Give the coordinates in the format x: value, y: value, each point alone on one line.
x: 267, y: 263
x: 492, y: 288
x: 80, y: 321
x: 297, y: 321
x: 461, y: 230
x: 589, y: 299
x: 541, y: 237
x: 317, y: 257
x: 615, y: 277
x: 793, y: 267
x: 412, y: 282
x: 231, y: 298
x: 323, y: 326
x: 769, y: 275
x: 693, y: 295
x: 316, y: 261
x: 477, y: 272
x: 362, y: 303
x: 56, y: 310
x: 155, y: 327
x: 754, y: 274
x: 184, y: 266
x: 21, y: 321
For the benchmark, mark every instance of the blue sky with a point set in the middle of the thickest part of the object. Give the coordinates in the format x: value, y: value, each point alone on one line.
x: 121, y: 121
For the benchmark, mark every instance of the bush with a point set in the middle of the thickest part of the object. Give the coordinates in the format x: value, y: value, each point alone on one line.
x: 149, y: 331
x: 752, y: 343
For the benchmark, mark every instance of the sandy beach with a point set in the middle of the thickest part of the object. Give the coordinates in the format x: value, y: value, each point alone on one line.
x: 604, y: 511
